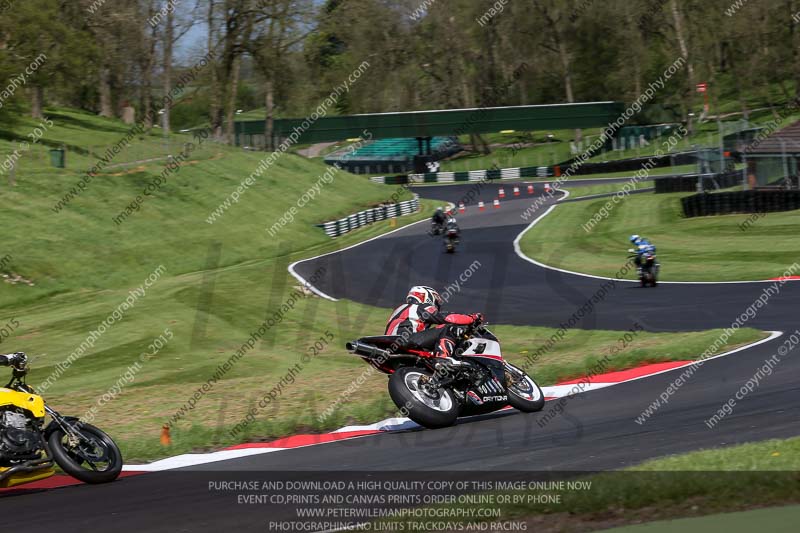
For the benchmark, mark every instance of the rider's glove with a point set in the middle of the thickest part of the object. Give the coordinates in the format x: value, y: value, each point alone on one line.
x: 448, y: 363
x: 477, y: 318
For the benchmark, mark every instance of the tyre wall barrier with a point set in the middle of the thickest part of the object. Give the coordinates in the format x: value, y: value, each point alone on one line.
x: 632, y: 164
x: 688, y: 182
x: 335, y: 228
x: 725, y: 203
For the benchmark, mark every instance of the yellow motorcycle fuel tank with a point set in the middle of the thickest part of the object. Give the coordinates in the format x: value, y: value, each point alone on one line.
x: 32, y: 402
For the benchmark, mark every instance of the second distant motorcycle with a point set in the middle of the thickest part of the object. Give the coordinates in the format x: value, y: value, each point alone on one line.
x: 452, y: 235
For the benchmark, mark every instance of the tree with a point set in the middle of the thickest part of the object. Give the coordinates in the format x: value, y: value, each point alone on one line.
x: 215, y: 116
x: 146, y: 59
x: 166, y: 76
x: 559, y: 25
x: 232, y: 34
x: 280, y: 26
x: 46, y: 34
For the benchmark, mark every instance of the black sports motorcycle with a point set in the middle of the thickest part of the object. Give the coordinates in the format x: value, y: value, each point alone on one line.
x: 435, y: 395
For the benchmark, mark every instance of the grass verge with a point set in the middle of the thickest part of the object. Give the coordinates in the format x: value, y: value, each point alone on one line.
x: 577, y: 192
x: 782, y: 519
x: 689, y: 249
x: 747, y: 476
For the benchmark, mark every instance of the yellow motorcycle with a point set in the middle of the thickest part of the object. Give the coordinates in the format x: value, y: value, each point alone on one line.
x: 29, y: 449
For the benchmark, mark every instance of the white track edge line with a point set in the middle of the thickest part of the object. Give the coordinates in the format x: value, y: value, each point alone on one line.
x: 519, y: 252
x: 318, y: 292
x: 248, y: 452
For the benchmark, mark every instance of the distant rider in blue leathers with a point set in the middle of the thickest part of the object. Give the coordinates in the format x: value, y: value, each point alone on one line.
x: 641, y: 246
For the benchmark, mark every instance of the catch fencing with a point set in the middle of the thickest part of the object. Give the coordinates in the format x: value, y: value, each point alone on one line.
x: 335, y: 228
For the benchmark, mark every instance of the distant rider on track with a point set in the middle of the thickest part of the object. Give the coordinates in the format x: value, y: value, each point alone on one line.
x: 452, y: 224
x: 424, y: 326
x: 438, y: 221
x: 641, y: 246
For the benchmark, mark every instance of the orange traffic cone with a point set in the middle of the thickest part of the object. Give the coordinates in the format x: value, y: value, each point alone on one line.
x: 480, y: 206
x: 461, y: 207
x: 547, y: 188
x: 496, y: 203
x: 516, y: 191
x: 165, y: 438
x: 530, y: 189
x: 501, y: 193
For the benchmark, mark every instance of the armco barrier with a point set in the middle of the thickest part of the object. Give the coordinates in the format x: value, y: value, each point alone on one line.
x: 472, y: 175
x: 621, y: 165
x: 335, y: 228
x: 725, y: 203
x: 688, y: 182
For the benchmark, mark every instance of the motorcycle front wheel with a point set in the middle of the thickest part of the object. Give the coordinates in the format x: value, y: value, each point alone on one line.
x: 90, y: 456
x: 523, y: 393
x: 432, y: 409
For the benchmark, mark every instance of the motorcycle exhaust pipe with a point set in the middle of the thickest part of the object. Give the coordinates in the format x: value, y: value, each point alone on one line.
x: 367, y: 350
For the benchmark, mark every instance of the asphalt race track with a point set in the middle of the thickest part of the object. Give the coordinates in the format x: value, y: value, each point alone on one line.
x: 511, y: 290
x: 597, y: 430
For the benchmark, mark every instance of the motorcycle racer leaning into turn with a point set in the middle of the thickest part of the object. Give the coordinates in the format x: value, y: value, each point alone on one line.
x: 423, y: 325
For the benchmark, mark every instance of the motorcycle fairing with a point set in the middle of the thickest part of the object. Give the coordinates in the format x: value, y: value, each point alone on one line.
x: 486, y: 352
x: 32, y: 470
x: 20, y: 478
x: 30, y: 402
x: 480, y: 347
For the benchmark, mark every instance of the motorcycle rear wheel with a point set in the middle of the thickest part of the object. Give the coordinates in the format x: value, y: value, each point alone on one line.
x: 80, y: 461
x: 424, y: 409
x: 523, y: 394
